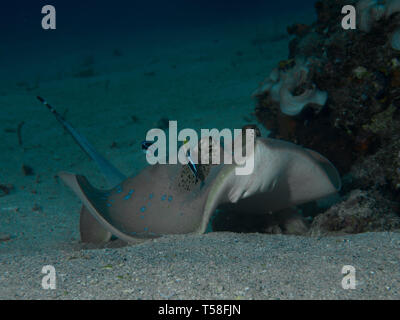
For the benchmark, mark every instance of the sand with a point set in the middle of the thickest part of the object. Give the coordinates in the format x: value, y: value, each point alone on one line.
x: 203, y: 78
x: 213, y: 266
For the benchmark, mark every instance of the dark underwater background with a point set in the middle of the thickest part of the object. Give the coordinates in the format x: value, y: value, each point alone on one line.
x: 116, y: 69
x: 94, y: 25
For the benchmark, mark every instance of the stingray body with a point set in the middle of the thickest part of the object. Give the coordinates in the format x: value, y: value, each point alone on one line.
x: 168, y: 199
x: 161, y: 199
x: 165, y: 199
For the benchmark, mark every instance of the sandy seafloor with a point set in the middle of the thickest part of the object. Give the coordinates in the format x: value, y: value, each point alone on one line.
x: 204, y: 78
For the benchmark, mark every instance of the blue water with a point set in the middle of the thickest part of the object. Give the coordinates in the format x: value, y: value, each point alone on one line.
x: 96, y: 15
x: 94, y: 25
x: 21, y: 20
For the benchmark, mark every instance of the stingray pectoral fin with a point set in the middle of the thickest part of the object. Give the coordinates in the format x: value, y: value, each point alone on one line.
x: 310, y: 176
x: 328, y: 167
x: 284, y: 175
x: 220, y: 192
x: 90, y: 199
x: 91, y: 230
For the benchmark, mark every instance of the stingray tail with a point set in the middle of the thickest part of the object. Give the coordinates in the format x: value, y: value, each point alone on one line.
x: 112, y: 174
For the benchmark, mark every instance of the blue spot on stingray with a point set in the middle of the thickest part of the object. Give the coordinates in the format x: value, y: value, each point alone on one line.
x: 112, y: 200
x: 163, y: 197
x: 143, y: 209
x: 109, y: 204
x: 119, y: 189
x: 169, y: 198
x: 128, y: 196
x: 145, y: 229
x: 151, y: 196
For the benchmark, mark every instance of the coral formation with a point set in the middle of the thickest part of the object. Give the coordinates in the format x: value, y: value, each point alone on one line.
x: 370, y: 12
x: 360, y: 212
x: 298, y: 29
x: 358, y: 127
x: 395, y: 39
x: 292, y: 89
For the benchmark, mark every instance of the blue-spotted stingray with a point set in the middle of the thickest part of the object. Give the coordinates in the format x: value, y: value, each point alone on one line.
x: 166, y: 199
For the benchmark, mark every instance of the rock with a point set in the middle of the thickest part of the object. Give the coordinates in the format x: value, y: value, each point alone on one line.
x: 4, y: 237
x: 361, y: 212
x: 5, y: 189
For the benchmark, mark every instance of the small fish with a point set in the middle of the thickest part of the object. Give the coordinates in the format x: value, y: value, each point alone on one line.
x: 192, y: 165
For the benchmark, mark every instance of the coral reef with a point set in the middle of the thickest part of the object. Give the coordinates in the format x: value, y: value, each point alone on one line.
x: 371, y: 12
x: 292, y: 89
x: 395, y: 39
x: 357, y: 125
x: 360, y: 212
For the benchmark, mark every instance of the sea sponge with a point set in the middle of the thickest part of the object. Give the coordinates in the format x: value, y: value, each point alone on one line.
x: 392, y: 7
x: 371, y: 11
x: 269, y: 83
x: 395, y: 39
x: 281, y: 85
x: 291, y: 104
x: 378, y: 11
x: 365, y: 13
